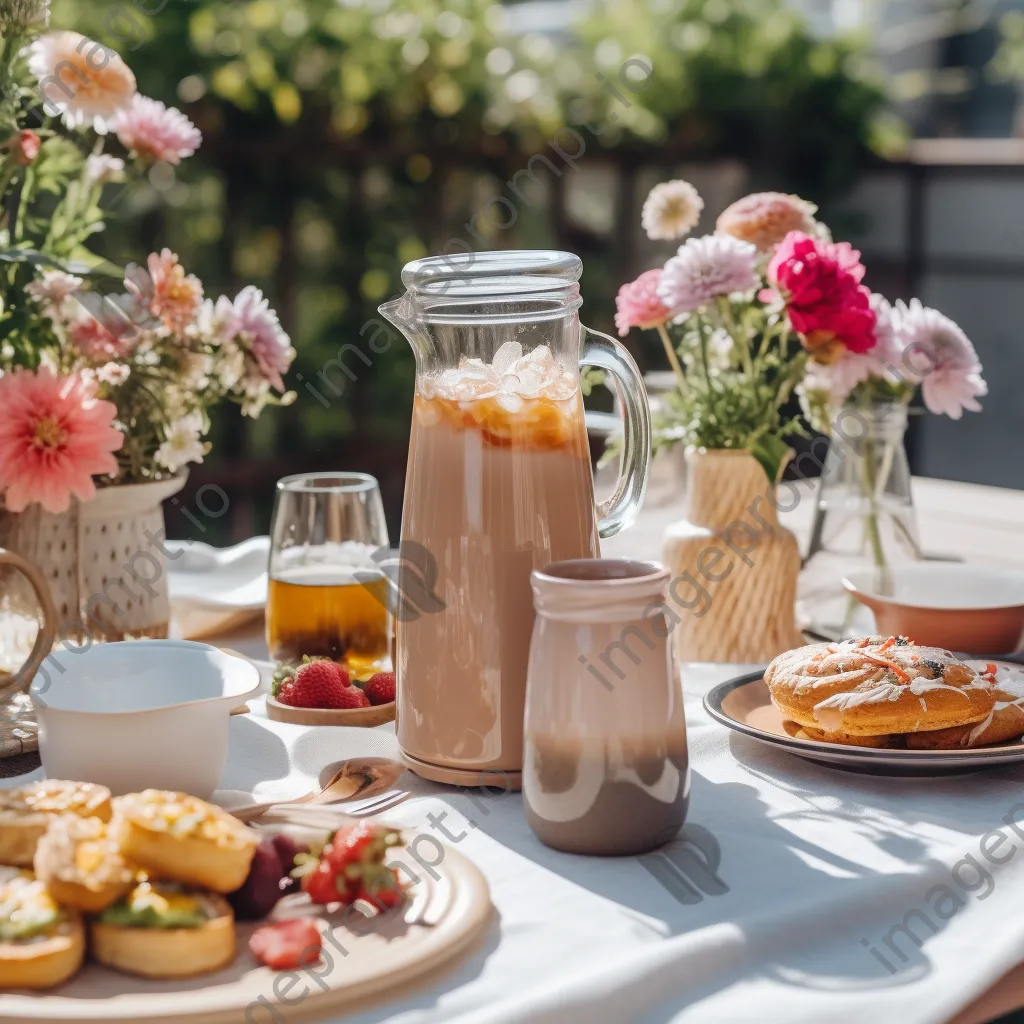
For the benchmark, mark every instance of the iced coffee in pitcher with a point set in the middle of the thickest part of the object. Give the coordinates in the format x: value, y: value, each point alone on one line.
x: 499, y: 483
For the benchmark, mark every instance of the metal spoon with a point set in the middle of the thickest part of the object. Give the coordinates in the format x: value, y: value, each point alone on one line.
x: 353, y: 779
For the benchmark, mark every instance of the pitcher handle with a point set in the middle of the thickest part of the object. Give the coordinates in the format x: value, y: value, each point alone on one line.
x: 607, y: 354
x: 47, y: 629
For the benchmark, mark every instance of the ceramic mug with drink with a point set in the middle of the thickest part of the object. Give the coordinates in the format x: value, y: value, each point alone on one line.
x: 499, y: 483
x: 327, y: 595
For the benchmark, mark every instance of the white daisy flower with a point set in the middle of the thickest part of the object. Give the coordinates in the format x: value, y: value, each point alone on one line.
x: 671, y: 210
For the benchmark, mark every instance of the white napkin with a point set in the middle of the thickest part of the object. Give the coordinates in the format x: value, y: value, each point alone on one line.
x: 215, y: 590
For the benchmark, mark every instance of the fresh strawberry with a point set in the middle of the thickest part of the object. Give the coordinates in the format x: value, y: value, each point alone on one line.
x: 353, y: 697
x: 321, y: 885
x: 380, y: 688
x: 362, y: 843
x: 287, y: 945
x: 384, y: 892
x: 317, y: 684
x: 352, y: 867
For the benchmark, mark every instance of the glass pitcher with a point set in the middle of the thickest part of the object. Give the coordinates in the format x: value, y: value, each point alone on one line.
x: 498, y: 484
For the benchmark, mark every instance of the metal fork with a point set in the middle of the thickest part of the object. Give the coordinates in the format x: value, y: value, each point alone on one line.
x: 328, y: 814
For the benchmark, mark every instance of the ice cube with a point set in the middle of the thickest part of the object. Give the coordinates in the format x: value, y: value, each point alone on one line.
x: 562, y: 389
x: 510, y: 401
x: 508, y: 384
x: 504, y: 358
x: 531, y: 380
x: 540, y: 356
x: 472, y: 363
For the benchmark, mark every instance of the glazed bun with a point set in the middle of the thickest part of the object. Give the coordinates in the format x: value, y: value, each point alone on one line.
x: 1004, y: 723
x: 877, y: 686
x: 81, y: 865
x: 183, y: 839
x: 806, y: 732
x: 26, y: 812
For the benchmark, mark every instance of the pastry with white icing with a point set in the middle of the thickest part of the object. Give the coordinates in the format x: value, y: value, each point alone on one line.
x: 877, y: 687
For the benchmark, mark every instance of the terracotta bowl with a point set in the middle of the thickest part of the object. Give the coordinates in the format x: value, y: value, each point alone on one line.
x: 973, y: 608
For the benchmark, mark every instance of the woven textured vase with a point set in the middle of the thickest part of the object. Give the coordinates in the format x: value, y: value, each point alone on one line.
x: 734, y: 568
x: 103, y: 560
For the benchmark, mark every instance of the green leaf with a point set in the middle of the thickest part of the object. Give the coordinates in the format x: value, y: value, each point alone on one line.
x: 771, y: 451
x: 33, y: 256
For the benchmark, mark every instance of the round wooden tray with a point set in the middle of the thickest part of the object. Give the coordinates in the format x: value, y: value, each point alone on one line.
x: 442, y: 918
x: 365, y: 717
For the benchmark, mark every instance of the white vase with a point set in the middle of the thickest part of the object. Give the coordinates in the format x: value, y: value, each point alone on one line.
x: 103, y: 560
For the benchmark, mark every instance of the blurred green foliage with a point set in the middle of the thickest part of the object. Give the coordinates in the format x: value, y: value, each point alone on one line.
x: 343, y: 138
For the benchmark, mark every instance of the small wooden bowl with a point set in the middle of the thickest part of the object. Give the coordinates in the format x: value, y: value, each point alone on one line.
x: 365, y: 717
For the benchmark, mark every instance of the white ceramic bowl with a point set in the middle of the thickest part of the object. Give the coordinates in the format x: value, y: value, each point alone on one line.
x: 140, y: 714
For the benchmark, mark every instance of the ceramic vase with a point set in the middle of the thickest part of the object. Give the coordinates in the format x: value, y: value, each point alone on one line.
x: 734, y: 568
x: 103, y: 561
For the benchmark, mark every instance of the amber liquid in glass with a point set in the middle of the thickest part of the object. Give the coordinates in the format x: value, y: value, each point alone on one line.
x: 321, y: 611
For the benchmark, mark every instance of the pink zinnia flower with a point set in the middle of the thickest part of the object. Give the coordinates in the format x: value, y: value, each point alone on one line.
x: 255, y: 325
x: 156, y: 132
x: 826, y: 303
x: 705, y: 269
x: 638, y: 305
x: 938, y: 353
x: 166, y: 291
x: 54, y: 435
x: 82, y: 80
x: 765, y: 218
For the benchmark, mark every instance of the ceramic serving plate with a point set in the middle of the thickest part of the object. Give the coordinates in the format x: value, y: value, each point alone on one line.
x: 365, y: 960
x: 744, y: 705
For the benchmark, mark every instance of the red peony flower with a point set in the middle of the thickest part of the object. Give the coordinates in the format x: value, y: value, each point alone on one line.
x: 826, y: 303
x: 638, y: 304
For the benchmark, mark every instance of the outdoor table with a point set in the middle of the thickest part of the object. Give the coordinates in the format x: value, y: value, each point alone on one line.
x: 775, y: 902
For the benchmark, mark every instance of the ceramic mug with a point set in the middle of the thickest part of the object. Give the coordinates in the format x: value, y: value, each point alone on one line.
x: 11, y: 683
x: 606, y: 770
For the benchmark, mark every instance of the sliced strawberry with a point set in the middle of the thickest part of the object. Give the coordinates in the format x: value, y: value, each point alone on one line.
x: 287, y: 945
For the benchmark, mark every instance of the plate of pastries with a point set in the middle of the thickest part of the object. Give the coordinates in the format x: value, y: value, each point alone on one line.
x: 160, y: 906
x: 881, y: 704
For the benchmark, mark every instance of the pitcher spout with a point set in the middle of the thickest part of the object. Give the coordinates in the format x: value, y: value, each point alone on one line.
x: 402, y: 313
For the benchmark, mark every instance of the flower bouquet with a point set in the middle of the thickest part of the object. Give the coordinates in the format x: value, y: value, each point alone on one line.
x: 765, y: 310
x: 107, y: 375
x: 102, y: 383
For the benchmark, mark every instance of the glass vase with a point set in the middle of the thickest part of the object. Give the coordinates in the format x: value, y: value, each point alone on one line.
x: 864, y: 518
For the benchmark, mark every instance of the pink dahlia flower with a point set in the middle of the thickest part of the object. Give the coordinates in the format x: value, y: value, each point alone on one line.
x: 826, y: 303
x: 156, y: 132
x: 765, y: 218
x: 938, y: 353
x: 638, y: 305
x: 251, y: 320
x: 705, y: 269
x: 54, y: 436
x: 80, y: 79
x: 165, y: 290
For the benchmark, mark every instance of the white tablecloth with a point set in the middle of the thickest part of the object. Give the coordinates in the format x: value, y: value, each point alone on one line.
x: 817, y: 866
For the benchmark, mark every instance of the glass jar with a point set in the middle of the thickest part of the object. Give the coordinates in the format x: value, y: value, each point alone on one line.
x: 864, y: 518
